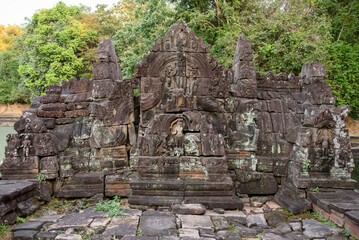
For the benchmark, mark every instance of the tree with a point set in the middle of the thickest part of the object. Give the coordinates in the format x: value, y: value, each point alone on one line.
x: 55, y: 39
x: 8, y: 35
x: 134, y: 39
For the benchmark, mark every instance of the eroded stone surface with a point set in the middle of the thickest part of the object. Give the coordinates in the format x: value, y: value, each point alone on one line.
x: 155, y: 224
x: 197, y: 133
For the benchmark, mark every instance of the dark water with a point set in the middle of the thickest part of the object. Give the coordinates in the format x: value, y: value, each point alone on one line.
x: 355, y: 173
x: 3, y: 132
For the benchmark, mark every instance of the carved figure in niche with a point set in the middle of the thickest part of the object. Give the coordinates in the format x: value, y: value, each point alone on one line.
x: 174, y: 80
x: 163, y: 145
x: 324, y: 151
x: 193, y: 70
x: 325, y: 120
x: 324, y: 140
x: 176, y: 139
x: 26, y: 145
x: 27, y: 124
x: 181, y: 39
x: 13, y: 145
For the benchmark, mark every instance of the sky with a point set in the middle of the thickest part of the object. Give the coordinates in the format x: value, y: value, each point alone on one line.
x: 15, y: 11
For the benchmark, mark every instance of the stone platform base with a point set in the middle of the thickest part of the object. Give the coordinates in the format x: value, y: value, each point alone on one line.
x: 338, y: 205
x: 21, y: 198
x: 157, y: 192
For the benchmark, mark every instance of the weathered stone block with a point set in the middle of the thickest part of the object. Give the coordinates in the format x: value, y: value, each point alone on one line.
x: 261, y: 184
x: 102, y: 88
x: 49, y: 167
x: 157, y: 224
x: 212, y: 144
x: 102, y: 136
x: 74, y: 86
x: 50, y: 114
x: 51, y: 98
x: 106, y: 70
x: 189, y: 209
x: 116, y: 185
x: 83, y: 185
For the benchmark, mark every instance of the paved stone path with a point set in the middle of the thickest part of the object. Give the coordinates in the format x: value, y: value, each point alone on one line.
x: 258, y: 220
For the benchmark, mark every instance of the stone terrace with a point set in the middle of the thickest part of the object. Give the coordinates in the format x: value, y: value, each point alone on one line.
x: 260, y: 219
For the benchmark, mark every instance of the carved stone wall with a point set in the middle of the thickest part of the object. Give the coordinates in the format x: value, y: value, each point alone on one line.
x: 197, y: 132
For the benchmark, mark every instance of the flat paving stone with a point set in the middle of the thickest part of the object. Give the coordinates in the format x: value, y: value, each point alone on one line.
x: 191, y: 209
x: 296, y: 236
x: 274, y: 218
x: 220, y: 223
x: 46, y: 235
x: 283, y: 228
x: 125, y: 219
x: 24, y: 235
x: 121, y: 230
x: 155, y: 224
x: 271, y: 236
x: 75, y: 221
x: 138, y: 238
x: 237, y: 217
x: 296, y: 226
x: 101, y: 237
x: 222, y: 235
x: 315, y: 229
x: 132, y: 212
x: 100, y: 223
x: 256, y: 220
x: 207, y: 233
x: 353, y: 215
x: 245, y: 231
x: 10, y: 189
x: 339, y: 236
x: 196, y: 221
x: 51, y: 218
x: 187, y: 232
x: 200, y: 238
x: 36, y: 226
x: 68, y: 237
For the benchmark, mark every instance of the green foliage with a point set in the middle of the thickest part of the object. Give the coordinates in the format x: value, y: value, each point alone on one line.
x: 20, y: 220
x: 324, y: 220
x: 306, y: 164
x: 139, y: 233
x: 136, y: 92
x: 3, y: 228
x: 64, y: 203
x: 54, y: 39
x: 113, y: 207
x: 133, y: 40
x: 343, y: 74
x: 60, y: 42
x: 345, y: 232
x: 83, y: 204
x: 12, y: 88
x: 40, y: 177
x: 316, y: 189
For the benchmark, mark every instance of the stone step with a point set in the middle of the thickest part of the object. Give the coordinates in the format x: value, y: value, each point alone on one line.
x: 8, y: 121
x: 354, y: 138
x: 8, y: 118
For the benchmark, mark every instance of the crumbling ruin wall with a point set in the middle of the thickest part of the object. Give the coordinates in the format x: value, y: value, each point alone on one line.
x: 197, y: 132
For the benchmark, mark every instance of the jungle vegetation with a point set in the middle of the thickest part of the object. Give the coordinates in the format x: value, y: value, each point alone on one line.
x: 60, y: 43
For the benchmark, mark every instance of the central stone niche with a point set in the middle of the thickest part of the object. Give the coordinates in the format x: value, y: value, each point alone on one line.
x: 181, y: 149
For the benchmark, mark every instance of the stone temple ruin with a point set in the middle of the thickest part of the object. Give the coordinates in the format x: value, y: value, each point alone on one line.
x: 196, y: 133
